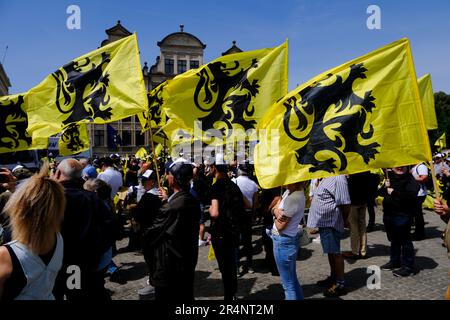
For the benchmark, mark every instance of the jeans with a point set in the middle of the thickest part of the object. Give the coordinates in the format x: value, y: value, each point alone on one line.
x: 285, y: 249
x: 398, y: 230
x: 330, y: 239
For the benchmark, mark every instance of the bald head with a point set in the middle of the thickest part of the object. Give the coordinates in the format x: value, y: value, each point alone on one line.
x: 84, y: 162
x: 69, y: 169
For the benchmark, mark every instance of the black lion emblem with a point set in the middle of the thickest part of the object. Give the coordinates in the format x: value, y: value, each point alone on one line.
x: 310, y: 106
x: 14, y: 122
x: 84, y: 88
x: 216, y: 81
x: 155, y: 102
x: 71, y: 137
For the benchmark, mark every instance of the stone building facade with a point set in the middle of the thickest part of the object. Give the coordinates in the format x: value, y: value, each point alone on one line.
x: 179, y: 52
x: 5, y: 84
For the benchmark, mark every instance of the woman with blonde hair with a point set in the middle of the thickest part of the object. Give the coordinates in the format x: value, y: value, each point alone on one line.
x: 29, y: 264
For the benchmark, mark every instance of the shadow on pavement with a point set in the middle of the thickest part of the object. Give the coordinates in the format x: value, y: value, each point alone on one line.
x: 131, y: 271
x: 271, y: 292
x: 206, y: 287
x: 425, y: 263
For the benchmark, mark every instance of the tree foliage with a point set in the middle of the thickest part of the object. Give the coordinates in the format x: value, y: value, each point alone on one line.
x: 442, y: 103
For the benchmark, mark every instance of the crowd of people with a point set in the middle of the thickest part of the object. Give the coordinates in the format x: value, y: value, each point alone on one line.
x: 59, y: 226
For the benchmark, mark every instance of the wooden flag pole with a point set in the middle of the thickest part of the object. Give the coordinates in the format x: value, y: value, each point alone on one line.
x: 437, y: 190
x: 154, y: 157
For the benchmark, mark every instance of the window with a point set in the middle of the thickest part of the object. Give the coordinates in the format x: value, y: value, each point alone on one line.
x: 169, y: 66
x: 182, y: 66
x: 140, y: 138
x: 126, y: 138
x: 99, y: 138
x: 194, y: 64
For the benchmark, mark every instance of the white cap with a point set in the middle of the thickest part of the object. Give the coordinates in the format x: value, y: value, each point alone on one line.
x: 17, y: 168
x: 147, y: 173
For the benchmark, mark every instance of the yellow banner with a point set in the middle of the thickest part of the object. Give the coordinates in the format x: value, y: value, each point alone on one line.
x: 364, y: 114
x: 155, y: 115
x: 427, y: 97
x: 102, y: 86
x: 74, y: 139
x: 14, y: 120
x: 141, y: 153
x: 229, y: 94
x: 441, y: 142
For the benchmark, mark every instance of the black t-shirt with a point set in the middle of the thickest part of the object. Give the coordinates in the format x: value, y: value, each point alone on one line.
x: 131, y: 176
x: 147, y: 209
x: 231, y: 207
x: 359, y: 188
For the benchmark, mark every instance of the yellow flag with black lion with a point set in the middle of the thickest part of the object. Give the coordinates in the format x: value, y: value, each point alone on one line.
x: 102, y: 86
x: 364, y: 114
x: 228, y: 96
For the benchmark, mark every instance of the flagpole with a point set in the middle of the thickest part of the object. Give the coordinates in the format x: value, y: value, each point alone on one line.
x: 437, y: 190
x: 154, y: 157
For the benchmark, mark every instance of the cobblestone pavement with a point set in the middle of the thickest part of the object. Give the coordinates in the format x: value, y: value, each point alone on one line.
x: 429, y: 284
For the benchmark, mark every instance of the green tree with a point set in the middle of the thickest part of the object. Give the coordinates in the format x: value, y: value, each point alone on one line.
x: 442, y: 103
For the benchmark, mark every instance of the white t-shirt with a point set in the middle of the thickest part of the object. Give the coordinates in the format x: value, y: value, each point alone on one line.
x: 113, y: 178
x: 420, y: 170
x: 293, y: 205
x: 248, y: 187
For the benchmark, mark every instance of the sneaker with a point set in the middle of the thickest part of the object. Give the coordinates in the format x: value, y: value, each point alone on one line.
x: 242, y: 270
x: 335, y: 291
x: 328, y: 282
x: 148, y: 290
x: 202, y: 243
x: 390, y: 266
x: 403, y: 272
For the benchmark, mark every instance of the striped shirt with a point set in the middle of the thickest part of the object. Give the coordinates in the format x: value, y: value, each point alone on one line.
x: 329, y: 195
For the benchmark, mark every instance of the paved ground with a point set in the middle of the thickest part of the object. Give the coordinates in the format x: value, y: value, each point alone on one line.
x: 429, y: 284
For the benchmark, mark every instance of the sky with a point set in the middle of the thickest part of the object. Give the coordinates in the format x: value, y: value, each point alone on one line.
x: 322, y: 34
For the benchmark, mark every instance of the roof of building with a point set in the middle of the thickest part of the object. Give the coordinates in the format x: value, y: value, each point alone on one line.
x: 233, y: 49
x: 177, y: 34
x: 118, y: 29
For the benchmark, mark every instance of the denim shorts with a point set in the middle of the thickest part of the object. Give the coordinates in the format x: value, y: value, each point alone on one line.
x: 330, y: 239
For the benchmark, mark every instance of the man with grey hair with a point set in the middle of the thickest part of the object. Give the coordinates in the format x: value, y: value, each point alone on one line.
x: 87, y: 231
x: 84, y: 162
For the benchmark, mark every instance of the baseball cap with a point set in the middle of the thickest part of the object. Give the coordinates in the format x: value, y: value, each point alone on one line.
x: 89, y: 173
x: 148, y: 175
x: 182, y: 171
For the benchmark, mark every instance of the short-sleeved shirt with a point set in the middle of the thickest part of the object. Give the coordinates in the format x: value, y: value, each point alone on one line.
x: 231, y: 207
x: 113, y: 178
x: 420, y: 170
x: 293, y: 205
x: 325, y: 212
x: 248, y: 187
